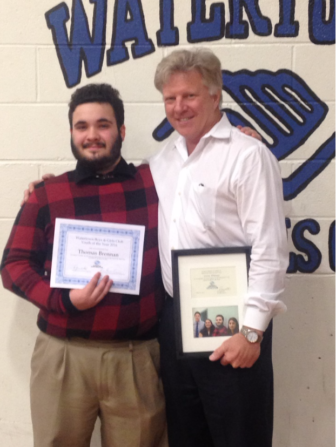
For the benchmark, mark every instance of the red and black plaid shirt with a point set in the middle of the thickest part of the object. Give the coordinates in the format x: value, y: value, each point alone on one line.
x: 220, y: 332
x: 128, y: 197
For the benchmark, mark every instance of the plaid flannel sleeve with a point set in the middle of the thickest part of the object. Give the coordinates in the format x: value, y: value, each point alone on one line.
x: 25, y: 267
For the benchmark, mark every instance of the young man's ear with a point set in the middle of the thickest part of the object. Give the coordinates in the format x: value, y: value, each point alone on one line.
x: 122, y: 131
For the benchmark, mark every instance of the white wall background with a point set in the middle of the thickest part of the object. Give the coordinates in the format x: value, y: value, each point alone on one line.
x: 35, y: 140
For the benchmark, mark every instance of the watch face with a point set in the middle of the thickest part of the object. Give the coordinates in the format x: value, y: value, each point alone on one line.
x: 252, y: 337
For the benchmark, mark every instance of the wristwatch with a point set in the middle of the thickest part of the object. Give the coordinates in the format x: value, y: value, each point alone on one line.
x: 251, y: 335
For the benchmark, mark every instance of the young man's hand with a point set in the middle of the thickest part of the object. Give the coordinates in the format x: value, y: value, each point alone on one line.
x: 31, y: 187
x: 92, y: 293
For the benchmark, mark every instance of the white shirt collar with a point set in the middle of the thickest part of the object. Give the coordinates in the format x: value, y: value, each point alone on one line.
x: 222, y: 129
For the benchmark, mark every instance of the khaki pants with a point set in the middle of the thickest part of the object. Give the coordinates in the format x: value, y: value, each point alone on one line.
x: 75, y: 381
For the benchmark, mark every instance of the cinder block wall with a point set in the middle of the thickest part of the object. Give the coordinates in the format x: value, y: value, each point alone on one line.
x: 283, y: 44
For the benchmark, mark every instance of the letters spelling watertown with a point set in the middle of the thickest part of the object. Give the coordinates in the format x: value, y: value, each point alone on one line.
x: 207, y: 24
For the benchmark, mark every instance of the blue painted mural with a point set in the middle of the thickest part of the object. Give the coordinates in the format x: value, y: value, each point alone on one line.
x: 280, y: 103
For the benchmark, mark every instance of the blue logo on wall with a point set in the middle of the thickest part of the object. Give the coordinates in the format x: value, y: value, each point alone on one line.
x: 288, y: 112
x: 281, y: 103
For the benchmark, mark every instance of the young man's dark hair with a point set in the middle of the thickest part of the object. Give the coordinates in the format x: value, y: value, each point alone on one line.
x: 101, y: 93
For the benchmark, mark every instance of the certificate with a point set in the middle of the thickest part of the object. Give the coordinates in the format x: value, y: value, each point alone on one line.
x: 83, y: 248
x: 212, y: 282
x: 208, y: 283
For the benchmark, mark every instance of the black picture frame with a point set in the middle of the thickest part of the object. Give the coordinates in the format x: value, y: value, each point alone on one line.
x: 191, y: 269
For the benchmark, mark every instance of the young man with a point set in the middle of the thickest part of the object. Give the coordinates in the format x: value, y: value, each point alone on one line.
x: 218, y: 187
x: 97, y: 354
x: 220, y: 329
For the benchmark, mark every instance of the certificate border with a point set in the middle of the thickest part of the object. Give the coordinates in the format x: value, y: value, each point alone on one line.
x: 178, y: 295
x: 64, y: 225
x: 87, y: 229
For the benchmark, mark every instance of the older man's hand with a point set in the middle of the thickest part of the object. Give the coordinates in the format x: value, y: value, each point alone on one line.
x: 31, y: 187
x: 237, y: 351
x: 250, y: 132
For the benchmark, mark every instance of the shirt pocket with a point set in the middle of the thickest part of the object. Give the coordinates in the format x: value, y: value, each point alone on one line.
x: 200, y: 209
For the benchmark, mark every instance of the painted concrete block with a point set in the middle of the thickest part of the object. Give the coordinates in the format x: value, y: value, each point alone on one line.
x: 16, y: 434
x: 318, y: 198
x: 18, y: 332
x: 44, y: 132
x: 135, y: 80
x: 316, y: 65
x: 52, y: 86
x: 57, y: 168
x: 20, y: 24
x: 140, y: 122
x: 18, y: 74
x: 303, y: 347
x: 15, y: 177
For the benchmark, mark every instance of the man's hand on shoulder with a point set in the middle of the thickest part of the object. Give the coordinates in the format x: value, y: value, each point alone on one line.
x: 250, y: 132
x: 237, y: 351
x: 31, y: 187
x: 91, y: 294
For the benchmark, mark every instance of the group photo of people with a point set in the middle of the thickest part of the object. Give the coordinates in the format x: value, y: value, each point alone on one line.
x: 209, y: 323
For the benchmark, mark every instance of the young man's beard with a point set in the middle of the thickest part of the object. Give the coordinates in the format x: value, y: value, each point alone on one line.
x: 100, y: 163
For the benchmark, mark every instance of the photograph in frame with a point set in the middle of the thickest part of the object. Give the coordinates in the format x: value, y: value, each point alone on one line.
x: 210, y: 287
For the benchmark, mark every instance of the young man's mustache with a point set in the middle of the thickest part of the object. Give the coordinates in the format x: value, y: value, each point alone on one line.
x: 87, y: 145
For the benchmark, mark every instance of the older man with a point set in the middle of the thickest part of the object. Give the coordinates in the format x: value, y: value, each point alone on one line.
x: 218, y: 187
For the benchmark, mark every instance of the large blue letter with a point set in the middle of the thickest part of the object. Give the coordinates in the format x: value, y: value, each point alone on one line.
x: 201, y: 29
x: 81, y: 46
x: 168, y: 33
x: 238, y: 28
x: 313, y: 254
x: 128, y: 24
x: 321, y: 28
x: 287, y: 26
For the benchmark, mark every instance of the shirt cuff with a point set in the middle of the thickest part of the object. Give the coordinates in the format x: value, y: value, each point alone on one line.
x: 256, y: 320
x: 69, y: 307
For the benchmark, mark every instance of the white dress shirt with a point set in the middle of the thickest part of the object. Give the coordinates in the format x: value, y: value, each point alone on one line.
x: 228, y: 192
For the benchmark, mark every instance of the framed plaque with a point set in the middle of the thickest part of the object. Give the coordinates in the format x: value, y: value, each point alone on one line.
x: 210, y: 287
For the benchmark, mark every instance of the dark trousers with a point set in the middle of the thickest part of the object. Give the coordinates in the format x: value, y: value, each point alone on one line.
x: 210, y: 405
